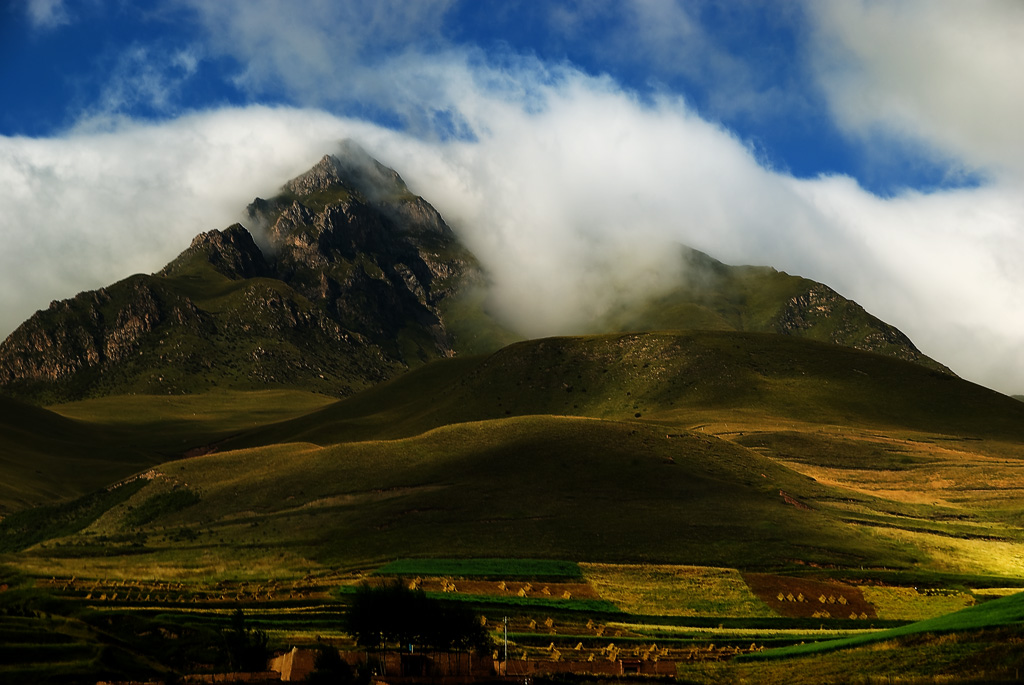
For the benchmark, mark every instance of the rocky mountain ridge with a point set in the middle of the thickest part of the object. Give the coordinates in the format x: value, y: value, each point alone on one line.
x: 718, y: 296
x: 346, y: 279
x: 348, y: 294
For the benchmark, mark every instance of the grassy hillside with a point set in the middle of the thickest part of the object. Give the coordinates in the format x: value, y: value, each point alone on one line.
x: 677, y: 378
x: 719, y: 448
x: 49, y: 456
x: 734, y: 449
x: 716, y: 296
x: 45, y: 457
x: 533, y: 487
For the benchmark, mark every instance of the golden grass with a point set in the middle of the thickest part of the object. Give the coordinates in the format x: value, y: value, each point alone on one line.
x: 994, y: 592
x: 208, y: 564
x: 968, y: 556
x: 219, y: 410
x: 663, y: 590
x: 908, y: 604
x: 968, y: 481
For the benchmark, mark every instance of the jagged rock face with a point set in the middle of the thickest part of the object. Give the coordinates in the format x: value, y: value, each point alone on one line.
x: 93, y: 331
x: 232, y: 252
x: 360, y: 245
x: 347, y: 296
x: 846, y: 323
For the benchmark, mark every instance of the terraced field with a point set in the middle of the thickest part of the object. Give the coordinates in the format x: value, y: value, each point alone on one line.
x: 686, y: 616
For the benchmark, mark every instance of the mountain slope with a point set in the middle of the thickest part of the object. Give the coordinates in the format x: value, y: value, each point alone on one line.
x: 716, y: 296
x: 672, y: 377
x: 351, y: 294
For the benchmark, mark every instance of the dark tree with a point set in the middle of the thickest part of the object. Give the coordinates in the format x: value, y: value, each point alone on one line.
x: 247, y: 648
x: 331, y: 668
x: 393, y: 615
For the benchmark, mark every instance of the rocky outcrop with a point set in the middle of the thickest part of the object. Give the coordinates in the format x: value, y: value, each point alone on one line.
x: 93, y: 330
x: 368, y: 251
x: 323, y: 176
x: 232, y: 252
x: 822, y: 313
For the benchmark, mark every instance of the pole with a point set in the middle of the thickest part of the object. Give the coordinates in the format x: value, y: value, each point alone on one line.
x: 505, y: 659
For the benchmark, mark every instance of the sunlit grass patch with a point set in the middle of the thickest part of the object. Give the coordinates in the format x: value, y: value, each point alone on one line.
x: 663, y: 590
x: 1007, y: 611
x: 489, y: 568
x: 910, y: 604
x: 967, y: 556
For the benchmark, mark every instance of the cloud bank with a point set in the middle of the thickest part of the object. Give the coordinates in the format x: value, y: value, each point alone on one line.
x: 570, y: 188
x: 940, y: 73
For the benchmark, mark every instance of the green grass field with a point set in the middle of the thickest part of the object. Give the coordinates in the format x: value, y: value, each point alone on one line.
x: 483, y: 568
x: 584, y: 489
x: 1006, y: 611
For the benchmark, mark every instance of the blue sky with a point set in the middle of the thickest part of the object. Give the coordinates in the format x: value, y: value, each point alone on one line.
x: 872, y: 145
x: 747, y: 68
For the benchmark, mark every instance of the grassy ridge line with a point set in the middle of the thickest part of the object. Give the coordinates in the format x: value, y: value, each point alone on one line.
x: 998, y: 612
x: 675, y: 377
x: 173, y: 423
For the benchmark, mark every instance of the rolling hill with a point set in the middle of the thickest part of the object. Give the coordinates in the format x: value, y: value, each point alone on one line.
x: 720, y: 448
x: 676, y: 378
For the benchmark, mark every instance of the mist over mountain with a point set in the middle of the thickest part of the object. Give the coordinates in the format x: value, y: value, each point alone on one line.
x: 352, y: 289
x: 347, y: 278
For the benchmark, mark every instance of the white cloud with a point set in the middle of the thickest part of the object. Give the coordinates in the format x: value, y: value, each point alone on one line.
x: 941, y: 72
x: 143, y: 77
x: 47, y: 14
x: 325, y: 53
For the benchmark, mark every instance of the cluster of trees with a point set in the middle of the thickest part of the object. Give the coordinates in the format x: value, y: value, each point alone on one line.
x: 247, y: 648
x: 331, y: 669
x: 394, y: 616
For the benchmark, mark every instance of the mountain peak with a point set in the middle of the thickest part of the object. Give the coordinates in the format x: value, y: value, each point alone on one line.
x: 325, y: 175
x: 351, y: 169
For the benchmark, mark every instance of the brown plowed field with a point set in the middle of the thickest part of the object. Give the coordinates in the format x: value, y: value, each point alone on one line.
x: 805, y: 598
